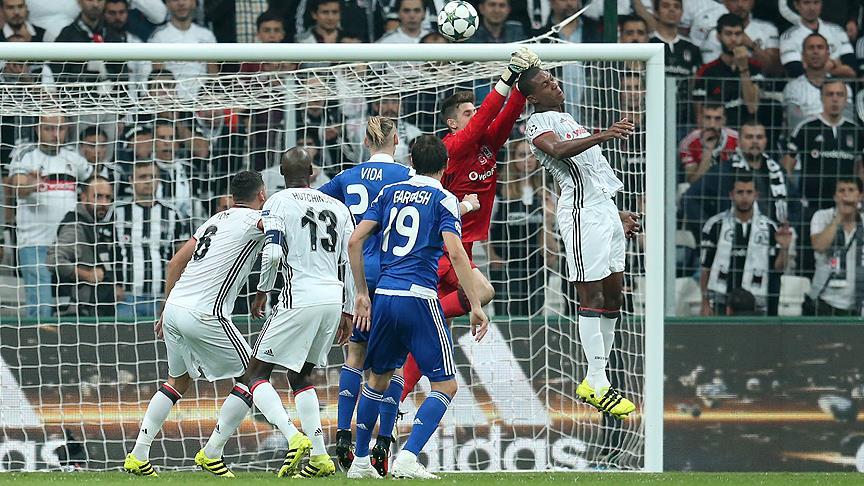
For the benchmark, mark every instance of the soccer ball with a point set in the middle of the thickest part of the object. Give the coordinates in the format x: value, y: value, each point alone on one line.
x: 457, y: 21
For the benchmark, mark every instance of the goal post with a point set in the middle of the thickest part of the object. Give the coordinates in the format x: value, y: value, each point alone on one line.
x: 442, y: 64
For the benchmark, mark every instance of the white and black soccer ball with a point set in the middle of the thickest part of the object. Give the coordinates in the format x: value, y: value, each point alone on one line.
x: 458, y: 21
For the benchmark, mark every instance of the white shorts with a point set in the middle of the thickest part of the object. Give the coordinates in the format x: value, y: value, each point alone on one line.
x: 294, y: 337
x: 593, y: 240
x: 195, y: 340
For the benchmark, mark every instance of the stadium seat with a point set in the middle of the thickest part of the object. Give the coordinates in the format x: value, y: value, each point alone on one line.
x: 792, y: 290
x: 688, y: 297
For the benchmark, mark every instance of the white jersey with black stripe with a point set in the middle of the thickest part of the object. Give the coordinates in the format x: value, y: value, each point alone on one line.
x: 227, y: 246
x: 585, y: 179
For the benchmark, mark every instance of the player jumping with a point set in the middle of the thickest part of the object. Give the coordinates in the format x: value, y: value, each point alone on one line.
x: 196, y: 321
x: 590, y: 226
x: 416, y: 216
x: 476, y: 136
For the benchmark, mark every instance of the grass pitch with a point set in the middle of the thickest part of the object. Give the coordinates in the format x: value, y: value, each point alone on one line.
x: 543, y: 479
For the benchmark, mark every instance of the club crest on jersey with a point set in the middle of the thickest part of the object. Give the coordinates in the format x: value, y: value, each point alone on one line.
x: 850, y: 141
x: 485, y: 155
x: 687, y: 56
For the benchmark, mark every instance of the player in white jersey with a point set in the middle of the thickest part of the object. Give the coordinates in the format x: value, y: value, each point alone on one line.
x: 590, y: 225
x: 202, y: 283
x: 306, y: 237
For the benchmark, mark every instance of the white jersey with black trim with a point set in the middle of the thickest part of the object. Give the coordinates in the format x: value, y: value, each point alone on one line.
x: 585, y: 179
x: 313, y: 230
x: 227, y: 246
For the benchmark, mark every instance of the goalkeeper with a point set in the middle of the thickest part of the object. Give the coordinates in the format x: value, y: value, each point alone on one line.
x: 476, y: 135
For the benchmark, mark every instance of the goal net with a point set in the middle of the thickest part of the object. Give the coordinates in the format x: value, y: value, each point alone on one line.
x: 78, y: 296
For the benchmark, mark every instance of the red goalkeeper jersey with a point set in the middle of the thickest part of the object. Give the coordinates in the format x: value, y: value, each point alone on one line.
x: 471, y: 164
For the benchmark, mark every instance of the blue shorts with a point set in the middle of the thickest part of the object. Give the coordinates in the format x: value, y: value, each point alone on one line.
x: 358, y: 336
x: 402, y: 324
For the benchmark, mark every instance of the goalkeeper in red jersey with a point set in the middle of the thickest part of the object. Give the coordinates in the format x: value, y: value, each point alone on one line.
x: 476, y: 135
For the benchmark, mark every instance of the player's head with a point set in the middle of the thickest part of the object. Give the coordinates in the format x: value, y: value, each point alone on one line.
x: 540, y: 88
x: 296, y: 167
x: 730, y: 32
x: 381, y: 136
x: 247, y: 189
x: 97, y: 196
x: 809, y: 10
x: 834, y: 96
x: 669, y: 12
x: 457, y: 110
x: 428, y: 155
x: 270, y: 27
x: 814, y: 51
x: 743, y: 193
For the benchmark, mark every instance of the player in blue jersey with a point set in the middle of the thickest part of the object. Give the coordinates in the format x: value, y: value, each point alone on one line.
x: 417, y: 218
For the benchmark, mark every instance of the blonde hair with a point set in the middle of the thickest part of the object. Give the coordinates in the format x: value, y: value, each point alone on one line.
x: 379, y: 130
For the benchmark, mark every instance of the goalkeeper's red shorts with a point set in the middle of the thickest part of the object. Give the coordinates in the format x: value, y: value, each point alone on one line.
x: 447, y: 280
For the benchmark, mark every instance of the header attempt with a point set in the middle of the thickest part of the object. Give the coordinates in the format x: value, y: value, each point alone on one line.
x: 75, y: 51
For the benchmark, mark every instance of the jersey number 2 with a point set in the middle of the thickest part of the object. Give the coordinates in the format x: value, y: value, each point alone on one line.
x: 203, y: 245
x: 329, y: 219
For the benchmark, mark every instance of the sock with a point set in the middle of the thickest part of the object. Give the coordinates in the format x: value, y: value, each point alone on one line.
x: 349, y: 389
x: 608, y: 321
x: 158, y: 410
x: 426, y: 421
x: 269, y: 403
x: 233, y: 411
x: 367, y: 415
x: 592, y: 347
x: 309, y: 412
x: 411, y: 374
x: 390, y: 406
x: 455, y: 304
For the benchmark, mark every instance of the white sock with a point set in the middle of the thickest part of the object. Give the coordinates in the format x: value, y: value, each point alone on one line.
x: 154, y: 417
x: 269, y: 403
x: 607, y: 328
x: 594, y: 351
x: 233, y: 411
x: 309, y: 412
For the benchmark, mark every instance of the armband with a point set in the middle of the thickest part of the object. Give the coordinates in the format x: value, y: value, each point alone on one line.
x: 274, y: 236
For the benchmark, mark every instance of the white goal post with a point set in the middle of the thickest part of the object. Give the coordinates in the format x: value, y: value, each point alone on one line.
x: 651, y: 55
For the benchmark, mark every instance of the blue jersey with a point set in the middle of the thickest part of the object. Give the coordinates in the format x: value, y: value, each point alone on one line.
x: 412, y: 216
x: 356, y: 187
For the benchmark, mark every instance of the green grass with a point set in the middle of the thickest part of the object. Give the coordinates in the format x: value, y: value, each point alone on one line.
x: 581, y: 479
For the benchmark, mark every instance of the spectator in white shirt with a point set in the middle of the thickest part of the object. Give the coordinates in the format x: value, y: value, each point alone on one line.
x: 43, y: 178
x: 181, y: 30
x: 792, y: 40
x: 803, y: 95
x: 760, y: 37
x: 410, y: 30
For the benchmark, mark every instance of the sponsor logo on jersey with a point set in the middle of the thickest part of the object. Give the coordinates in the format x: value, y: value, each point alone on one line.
x: 346, y: 393
x: 268, y: 352
x: 476, y: 176
x: 417, y: 421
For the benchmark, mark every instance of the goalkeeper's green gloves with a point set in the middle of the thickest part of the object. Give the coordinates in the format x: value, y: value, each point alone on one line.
x: 520, y: 60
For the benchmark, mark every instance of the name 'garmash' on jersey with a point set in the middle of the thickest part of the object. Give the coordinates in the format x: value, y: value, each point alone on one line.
x: 357, y: 187
x: 412, y: 216
x: 227, y: 246
x: 585, y: 179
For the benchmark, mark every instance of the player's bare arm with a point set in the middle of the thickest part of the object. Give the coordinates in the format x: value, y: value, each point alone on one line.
x: 173, y: 271
x: 362, y: 303
x: 469, y: 203
x: 551, y: 144
x: 479, y: 321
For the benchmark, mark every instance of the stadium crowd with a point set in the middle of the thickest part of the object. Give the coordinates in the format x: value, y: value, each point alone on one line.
x: 768, y: 123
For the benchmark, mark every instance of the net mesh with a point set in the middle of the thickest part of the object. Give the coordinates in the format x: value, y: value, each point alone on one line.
x: 79, y: 358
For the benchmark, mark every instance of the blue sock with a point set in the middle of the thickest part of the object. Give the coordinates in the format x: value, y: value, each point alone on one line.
x: 349, y: 388
x: 426, y: 421
x: 390, y: 406
x: 367, y: 415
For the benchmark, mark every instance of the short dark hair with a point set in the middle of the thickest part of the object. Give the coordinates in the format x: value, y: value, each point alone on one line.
x: 124, y: 2
x: 314, y: 5
x: 657, y: 4
x: 752, y: 122
x: 431, y: 35
x: 245, y: 185
x: 86, y: 183
x: 624, y: 19
x: 741, y: 302
x: 400, y: 2
x: 451, y: 104
x: 729, y: 20
x: 849, y: 180
x: 90, y: 131
x: 526, y: 80
x: 743, y: 176
x: 814, y: 34
x: 428, y: 155
x: 269, y: 16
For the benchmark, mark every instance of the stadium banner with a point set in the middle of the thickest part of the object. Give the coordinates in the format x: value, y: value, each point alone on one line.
x: 760, y: 397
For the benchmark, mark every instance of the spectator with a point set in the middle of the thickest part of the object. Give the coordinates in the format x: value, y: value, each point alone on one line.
x: 693, y: 10
x: 388, y: 106
x: 731, y: 79
x: 15, y: 14
x: 532, y: 14
x: 367, y: 19
x: 706, y: 146
x: 43, y: 177
x: 518, y: 241
x: 740, y: 302
x: 632, y: 29
x: 24, y: 72
x: 273, y: 179
x: 117, y: 19
x: 760, y: 37
x: 683, y: 58
x: 410, y: 30
x: 173, y: 181
x: 149, y: 232
x: 792, y: 41
x: 53, y: 15
x: 824, y: 148
x: 327, y: 15
x: 626, y: 8
x: 494, y: 24
x: 94, y: 147
x: 84, y: 255
x: 802, y: 96
x: 742, y: 248
x: 181, y: 30
x: 89, y: 26
x: 235, y: 20
x: 835, y: 290
x: 582, y: 30
x: 841, y: 12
